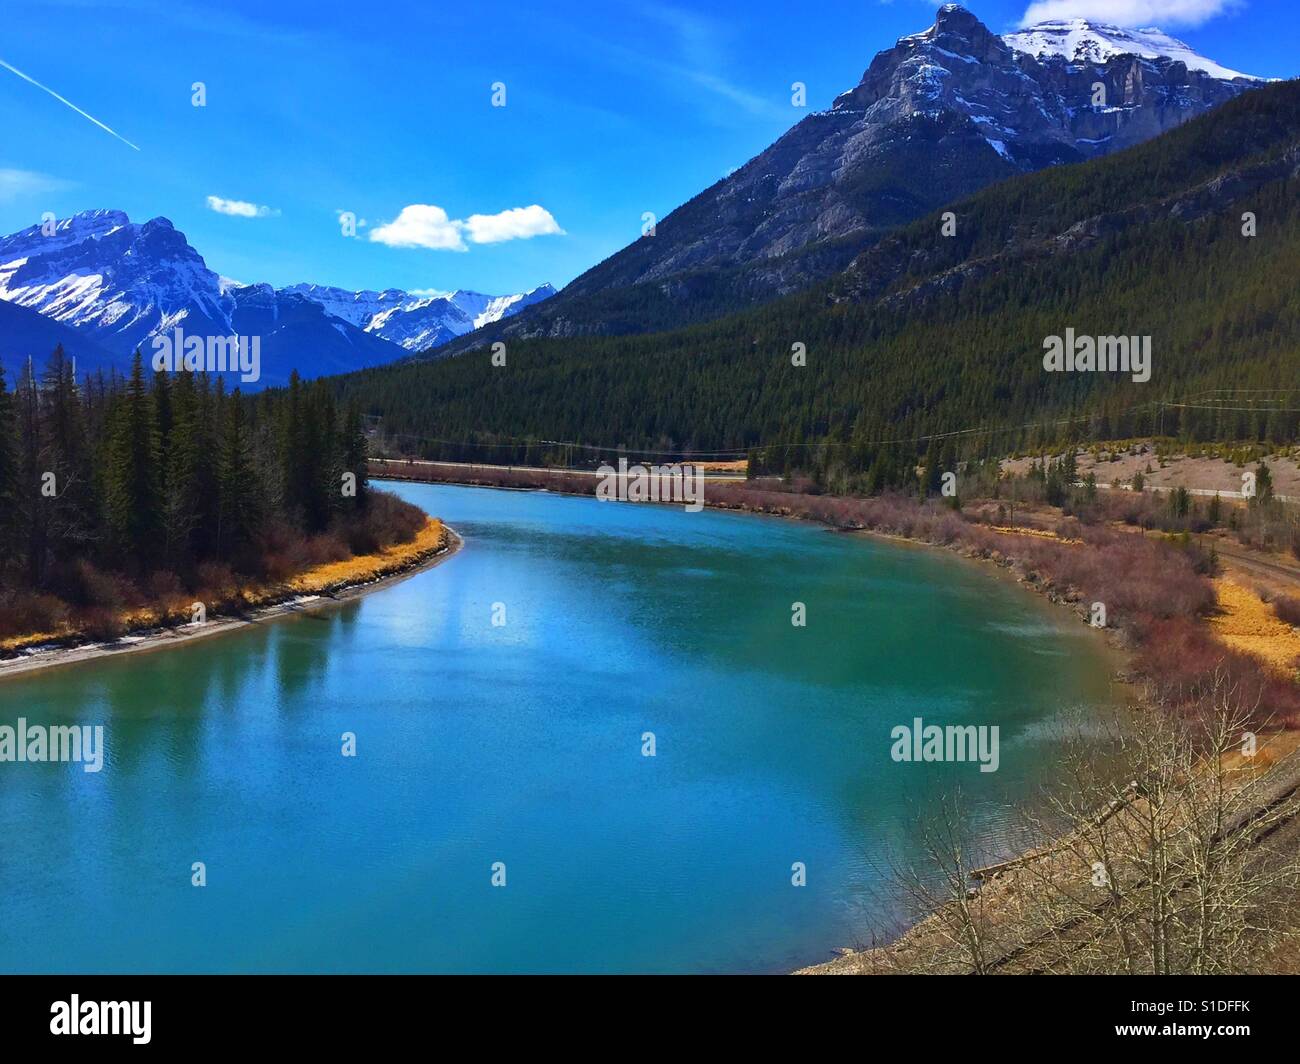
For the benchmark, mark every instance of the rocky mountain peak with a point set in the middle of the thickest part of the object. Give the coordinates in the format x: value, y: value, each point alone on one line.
x: 120, y: 282
x: 962, y: 32
x: 935, y: 117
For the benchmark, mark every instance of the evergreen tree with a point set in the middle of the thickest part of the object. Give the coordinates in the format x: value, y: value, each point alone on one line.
x: 134, y: 497
x: 31, y: 513
x: 70, y: 511
x: 239, y: 515
x: 932, y: 474
x: 1263, y: 485
x: 355, y: 454
x: 182, y: 506
x: 10, y: 543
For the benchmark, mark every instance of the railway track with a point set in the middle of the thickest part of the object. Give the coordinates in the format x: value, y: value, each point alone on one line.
x: 1260, y: 566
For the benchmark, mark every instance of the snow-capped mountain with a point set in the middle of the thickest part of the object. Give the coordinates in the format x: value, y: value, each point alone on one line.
x: 119, y: 283
x: 1030, y: 94
x: 1079, y: 40
x: 418, y: 322
x: 937, y: 116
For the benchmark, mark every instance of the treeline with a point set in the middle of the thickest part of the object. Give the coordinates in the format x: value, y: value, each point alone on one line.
x: 963, y: 356
x: 154, y: 476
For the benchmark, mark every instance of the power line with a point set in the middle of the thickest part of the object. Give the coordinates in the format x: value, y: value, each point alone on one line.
x: 741, y: 452
x: 737, y: 453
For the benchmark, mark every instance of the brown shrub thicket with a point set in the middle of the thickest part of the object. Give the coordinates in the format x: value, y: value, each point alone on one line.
x: 25, y: 612
x: 1288, y: 609
x: 1151, y: 852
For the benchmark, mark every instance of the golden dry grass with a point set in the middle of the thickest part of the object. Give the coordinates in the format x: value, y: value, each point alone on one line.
x: 316, y: 580
x: 1245, y: 622
x: 32, y: 639
x: 1273, y: 747
x: 1036, y: 533
x: 369, y: 567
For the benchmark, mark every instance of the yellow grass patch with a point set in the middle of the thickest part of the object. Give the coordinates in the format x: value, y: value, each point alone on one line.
x: 1246, y: 622
x: 370, y: 566
x: 33, y: 639
x: 317, y: 580
x: 1273, y: 747
x: 1037, y: 533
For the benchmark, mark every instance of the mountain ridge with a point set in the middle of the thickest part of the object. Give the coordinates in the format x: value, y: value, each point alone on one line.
x: 118, y: 283
x: 934, y: 118
x: 927, y: 333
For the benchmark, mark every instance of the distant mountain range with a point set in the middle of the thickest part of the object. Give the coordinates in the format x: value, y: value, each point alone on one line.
x: 940, y: 115
x: 417, y: 322
x: 937, y: 117
x: 103, y: 285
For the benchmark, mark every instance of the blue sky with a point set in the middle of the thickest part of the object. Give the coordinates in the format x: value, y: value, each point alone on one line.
x: 612, y: 109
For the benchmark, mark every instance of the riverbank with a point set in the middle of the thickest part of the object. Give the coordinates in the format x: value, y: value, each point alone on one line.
x: 1082, y: 902
x: 320, y: 586
x: 1156, y: 595
x: 1162, y: 612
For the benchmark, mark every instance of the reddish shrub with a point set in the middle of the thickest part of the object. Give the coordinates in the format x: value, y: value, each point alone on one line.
x: 1288, y: 609
x: 164, y: 585
x: 21, y: 614
x: 323, y: 549
x: 100, y: 623
x: 1182, y: 659
x: 100, y: 590
x: 215, y: 582
x: 387, y: 520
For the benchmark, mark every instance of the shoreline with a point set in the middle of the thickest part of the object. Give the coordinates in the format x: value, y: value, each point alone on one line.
x: 1113, y: 641
x: 1113, y: 638
x: 1116, y: 643
x: 284, y: 605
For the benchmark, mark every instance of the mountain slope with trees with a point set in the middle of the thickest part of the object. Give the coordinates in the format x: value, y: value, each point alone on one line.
x: 928, y: 334
x: 939, y: 115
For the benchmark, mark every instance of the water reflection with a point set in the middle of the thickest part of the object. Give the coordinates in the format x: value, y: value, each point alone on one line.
x: 523, y: 743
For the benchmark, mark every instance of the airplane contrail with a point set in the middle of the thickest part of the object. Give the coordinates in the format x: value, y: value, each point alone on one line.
x: 64, y: 100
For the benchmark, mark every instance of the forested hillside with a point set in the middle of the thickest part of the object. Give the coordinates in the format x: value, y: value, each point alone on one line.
x: 929, y: 333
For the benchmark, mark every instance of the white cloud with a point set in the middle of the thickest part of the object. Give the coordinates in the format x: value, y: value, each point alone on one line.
x: 422, y: 225
x: 1162, y: 13
x: 15, y: 184
x: 240, y: 208
x: 518, y: 223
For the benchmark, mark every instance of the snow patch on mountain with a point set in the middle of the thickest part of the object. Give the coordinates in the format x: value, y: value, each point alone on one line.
x: 122, y: 283
x: 1079, y: 40
x: 418, y: 322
